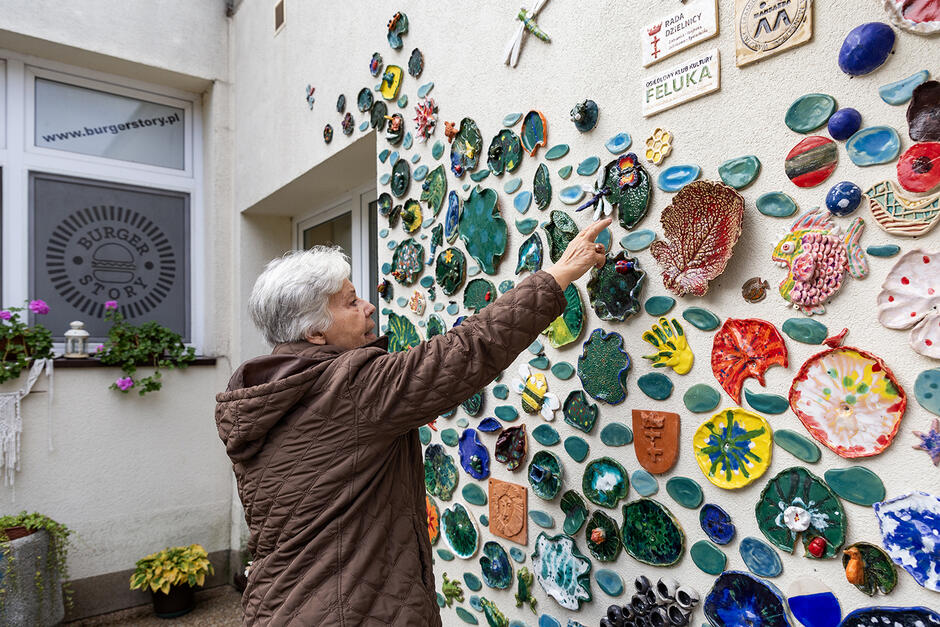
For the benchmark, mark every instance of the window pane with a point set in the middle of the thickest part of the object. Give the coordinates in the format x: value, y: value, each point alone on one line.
x: 94, y: 241
x: 335, y: 232
x: 91, y: 122
x: 373, y: 253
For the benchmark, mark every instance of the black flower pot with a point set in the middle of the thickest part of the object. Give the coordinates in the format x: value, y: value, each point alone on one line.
x: 178, y: 601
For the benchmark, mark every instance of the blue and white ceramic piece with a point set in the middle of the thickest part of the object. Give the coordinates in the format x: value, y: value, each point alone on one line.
x: 760, y: 558
x: 843, y: 198
x: 675, y: 177
x: 866, y: 48
x: 739, y: 598
x: 638, y: 240
x: 618, y: 143
x: 776, y: 205
x: 873, y: 145
x: 844, y: 123
x: 474, y: 457
x: 910, y: 533
x: 814, y: 604
x: 511, y: 119
x: 644, y: 483
x: 522, y: 201
x: 892, y: 616
x: 571, y: 195
x: 716, y: 523
x: 420, y: 173
x: 899, y: 92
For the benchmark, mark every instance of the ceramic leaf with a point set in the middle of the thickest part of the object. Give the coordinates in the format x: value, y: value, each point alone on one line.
x: 434, y: 189
x: 910, y: 297
x: 542, y: 187
x: 703, y: 224
x: 482, y: 229
x: 746, y: 348
x: 402, y: 333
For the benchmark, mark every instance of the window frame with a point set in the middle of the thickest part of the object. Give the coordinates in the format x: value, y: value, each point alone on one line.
x: 18, y: 157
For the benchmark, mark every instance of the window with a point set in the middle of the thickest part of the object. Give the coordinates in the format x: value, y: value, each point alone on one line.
x: 278, y: 16
x: 350, y: 225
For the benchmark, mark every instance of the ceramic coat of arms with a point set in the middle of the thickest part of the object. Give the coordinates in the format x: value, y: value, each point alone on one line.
x: 817, y: 255
x: 703, y: 224
x: 848, y: 400
x: 482, y: 230
x: 910, y: 297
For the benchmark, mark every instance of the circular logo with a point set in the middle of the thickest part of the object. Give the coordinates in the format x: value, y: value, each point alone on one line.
x: 768, y: 24
x: 104, y: 253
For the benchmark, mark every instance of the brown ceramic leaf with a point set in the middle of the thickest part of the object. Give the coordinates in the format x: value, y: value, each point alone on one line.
x: 703, y: 224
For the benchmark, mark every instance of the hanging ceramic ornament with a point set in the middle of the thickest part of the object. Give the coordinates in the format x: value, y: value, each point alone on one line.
x: 817, y: 256
x: 668, y: 338
x: 733, y: 448
x: 909, y: 529
x: 567, y: 327
x: 505, y: 152
x: 919, y: 167
x: 921, y: 18
x: 910, y: 297
x: 466, y: 147
x: 923, y: 113
x: 746, y: 348
x: 703, y: 223
x: 615, y: 289
x: 603, y: 367
x: 536, y: 399
x: 797, y: 504
x: 482, y: 230
x: 562, y: 570
x: 900, y: 215
x: 849, y: 401
x: 534, y: 129
x: 866, y: 48
x: 651, y: 534
x: 584, y: 115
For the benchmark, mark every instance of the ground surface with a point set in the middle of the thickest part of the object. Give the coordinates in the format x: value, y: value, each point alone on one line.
x: 216, y: 607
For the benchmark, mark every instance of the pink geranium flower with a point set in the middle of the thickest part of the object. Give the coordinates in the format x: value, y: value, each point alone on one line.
x: 111, y: 304
x: 38, y: 307
x: 5, y: 315
x: 124, y: 383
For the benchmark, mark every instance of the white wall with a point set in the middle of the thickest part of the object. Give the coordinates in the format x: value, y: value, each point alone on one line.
x: 593, y: 55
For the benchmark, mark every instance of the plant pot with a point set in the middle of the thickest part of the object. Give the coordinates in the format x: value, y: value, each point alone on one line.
x: 178, y: 601
x: 28, y: 599
x: 15, y: 533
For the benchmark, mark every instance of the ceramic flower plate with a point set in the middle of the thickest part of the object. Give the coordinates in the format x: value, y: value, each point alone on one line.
x: 483, y: 230
x: 603, y: 367
x: 615, y: 289
x: 459, y: 531
x: 745, y: 348
x: 434, y: 519
x: 733, y: 448
x: 567, y: 327
x: 562, y: 570
x: 909, y: 525
x: 465, y: 148
x: 797, y: 504
x: 651, y: 534
x: 849, y: 401
x: 603, y: 537
x: 910, y: 297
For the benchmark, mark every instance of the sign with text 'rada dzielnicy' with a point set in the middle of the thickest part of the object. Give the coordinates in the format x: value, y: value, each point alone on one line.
x: 692, y: 23
x: 690, y: 79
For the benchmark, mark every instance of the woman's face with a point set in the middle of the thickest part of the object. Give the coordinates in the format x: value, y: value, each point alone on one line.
x: 353, y: 325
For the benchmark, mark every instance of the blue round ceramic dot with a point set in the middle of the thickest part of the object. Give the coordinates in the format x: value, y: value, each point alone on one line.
x: 644, y: 483
x: 506, y: 285
x: 716, y: 523
x: 886, y: 250
x: 501, y: 391
x: 604, y: 237
x: 364, y: 126
x: 383, y: 233
x: 403, y: 101
x: 385, y: 178
x: 386, y: 268
x: 844, y: 123
x: 618, y: 143
x: 609, y: 581
x: 420, y: 172
x: 415, y: 158
x: 517, y: 554
x: 522, y: 201
x: 452, y: 309
x: 473, y: 582
x: 445, y: 555
x: 393, y: 157
x: 426, y: 281
x: 438, y: 149
x: 640, y: 240
x: 675, y: 177
x: 402, y: 301
x: 512, y: 185
x: 384, y: 155
x: 406, y: 144
x: 655, y: 385
x: 843, y: 198
x: 865, y: 48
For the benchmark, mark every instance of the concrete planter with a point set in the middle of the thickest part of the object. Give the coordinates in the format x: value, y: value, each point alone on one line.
x: 25, y: 602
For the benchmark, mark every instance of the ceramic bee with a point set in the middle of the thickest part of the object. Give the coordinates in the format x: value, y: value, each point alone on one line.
x: 536, y: 399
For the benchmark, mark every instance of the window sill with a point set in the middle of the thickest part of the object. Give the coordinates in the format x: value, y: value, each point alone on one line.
x: 91, y: 362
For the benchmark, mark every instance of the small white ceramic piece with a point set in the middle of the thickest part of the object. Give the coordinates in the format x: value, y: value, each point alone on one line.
x: 796, y: 518
x: 910, y: 297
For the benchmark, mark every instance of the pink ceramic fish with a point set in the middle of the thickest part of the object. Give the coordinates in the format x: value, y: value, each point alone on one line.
x: 818, y: 256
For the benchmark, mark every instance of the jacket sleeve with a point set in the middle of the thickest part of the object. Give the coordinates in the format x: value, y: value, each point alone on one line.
x: 397, y: 392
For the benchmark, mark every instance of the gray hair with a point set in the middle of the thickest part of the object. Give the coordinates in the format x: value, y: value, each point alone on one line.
x: 290, y: 299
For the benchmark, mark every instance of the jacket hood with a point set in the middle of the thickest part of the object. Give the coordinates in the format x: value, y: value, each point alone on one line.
x: 264, y: 389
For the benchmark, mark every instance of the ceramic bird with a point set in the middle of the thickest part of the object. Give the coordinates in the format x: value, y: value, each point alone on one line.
x: 818, y: 256
x: 855, y: 567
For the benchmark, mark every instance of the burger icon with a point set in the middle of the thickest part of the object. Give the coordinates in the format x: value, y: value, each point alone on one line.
x: 113, y: 263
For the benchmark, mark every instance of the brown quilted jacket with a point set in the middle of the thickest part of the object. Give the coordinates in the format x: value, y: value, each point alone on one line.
x: 325, y: 450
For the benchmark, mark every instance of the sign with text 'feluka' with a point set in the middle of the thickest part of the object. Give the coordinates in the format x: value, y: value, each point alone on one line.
x: 693, y: 22
x: 690, y: 79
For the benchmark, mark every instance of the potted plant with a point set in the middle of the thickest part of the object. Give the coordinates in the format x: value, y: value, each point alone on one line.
x: 20, y: 343
x: 33, y: 570
x: 172, y: 575
x: 149, y: 344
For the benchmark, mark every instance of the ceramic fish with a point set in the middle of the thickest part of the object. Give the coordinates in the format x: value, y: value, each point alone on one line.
x: 817, y: 255
x: 535, y: 395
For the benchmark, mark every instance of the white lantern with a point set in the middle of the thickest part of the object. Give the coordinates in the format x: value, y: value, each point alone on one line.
x: 76, y: 340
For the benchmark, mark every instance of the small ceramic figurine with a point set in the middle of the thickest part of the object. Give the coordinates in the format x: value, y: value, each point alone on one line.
x: 525, y: 580
x: 754, y: 289
x: 450, y: 130
x: 584, y: 115
x: 310, y: 98
x: 818, y: 256
x: 425, y: 118
x: 535, y: 395
x: 451, y: 590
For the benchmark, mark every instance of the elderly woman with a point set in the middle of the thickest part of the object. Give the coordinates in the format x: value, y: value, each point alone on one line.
x: 323, y: 436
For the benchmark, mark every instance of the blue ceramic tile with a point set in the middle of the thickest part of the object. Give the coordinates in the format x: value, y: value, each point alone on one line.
x: 776, y: 205
x: 542, y: 519
x: 844, y: 123
x: 927, y: 390
x: 819, y: 607
x: 609, y: 581
x: 425, y: 89
x: 843, y: 198
x: 565, y: 172
x: 809, y: 112
x: 618, y: 143
x: 885, y: 250
x: 437, y: 150
x: 523, y: 201
x: 512, y: 185
x: 716, y: 523
x: 899, y: 92
x: 420, y: 172
x: 589, y: 166
x: 511, y: 119
x: 760, y: 558
x: 675, y: 177
x: 639, y: 240
x: 571, y: 195
x: 873, y: 145
x: 557, y: 152
x: 659, y: 305
x: 488, y: 425
x: 644, y: 483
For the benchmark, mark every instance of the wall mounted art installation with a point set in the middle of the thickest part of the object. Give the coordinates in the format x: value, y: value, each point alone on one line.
x: 797, y: 504
x: 656, y: 439
x: 923, y: 113
x: 690, y: 79
x: 746, y: 348
x: 605, y: 482
x: 508, y: 507
x: 527, y: 24
x: 900, y: 215
x: 566, y: 328
x: 651, y: 534
x: 482, y: 229
x: 866, y: 48
x: 534, y: 131
x: 536, y: 399
x: 511, y: 447
x: 562, y: 570
x: 559, y: 231
x: 921, y: 18
x: 466, y: 147
x: 733, y: 448
x: 603, y: 367
x: 739, y: 598
x: 668, y: 338
x: 402, y: 333
x: 894, y: 616
x: 919, y: 167
x: 615, y: 289
x: 811, y: 161
x: 817, y: 256
x: 910, y: 297
x: 910, y: 526
x: 849, y: 401
x: 703, y: 223
x: 459, y: 531
x: 693, y: 22
x: 440, y: 472
x: 869, y: 568
x: 505, y: 152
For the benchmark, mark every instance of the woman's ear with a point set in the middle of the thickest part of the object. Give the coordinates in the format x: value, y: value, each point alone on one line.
x: 315, y: 338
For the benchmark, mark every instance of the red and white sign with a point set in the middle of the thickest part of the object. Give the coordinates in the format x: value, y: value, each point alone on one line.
x: 693, y: 22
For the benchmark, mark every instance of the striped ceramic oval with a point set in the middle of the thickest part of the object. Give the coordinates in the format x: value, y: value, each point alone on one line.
x: 811, y: 161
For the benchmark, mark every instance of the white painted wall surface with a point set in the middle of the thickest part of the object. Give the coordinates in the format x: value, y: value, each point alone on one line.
x: 595, y: 53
